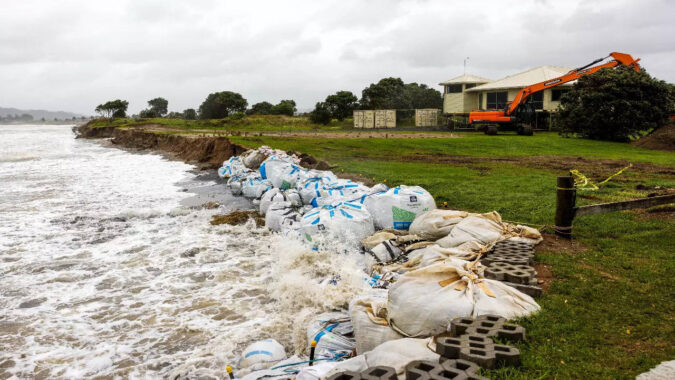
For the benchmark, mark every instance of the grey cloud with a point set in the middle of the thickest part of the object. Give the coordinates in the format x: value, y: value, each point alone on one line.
x: 79, y: 53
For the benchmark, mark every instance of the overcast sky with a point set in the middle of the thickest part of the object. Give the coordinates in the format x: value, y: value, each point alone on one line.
x: 74, y: 54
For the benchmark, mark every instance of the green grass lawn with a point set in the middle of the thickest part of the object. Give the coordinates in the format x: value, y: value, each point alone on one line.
x: 267, y: 123
x: 610, y: 310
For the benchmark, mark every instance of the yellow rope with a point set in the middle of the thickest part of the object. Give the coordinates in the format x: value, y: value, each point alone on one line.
x: 581, y: 182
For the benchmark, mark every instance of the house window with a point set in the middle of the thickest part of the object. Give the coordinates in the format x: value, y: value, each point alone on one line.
x: 480, y: 101
x: 453, y: 88
x: 537, y: 100
x: 557, y: 94
x: 469, y: 85
x: 496, y: 100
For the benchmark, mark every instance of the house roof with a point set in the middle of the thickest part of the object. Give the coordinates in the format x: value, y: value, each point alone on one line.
x: 526, y: 78
x: 466, y: 78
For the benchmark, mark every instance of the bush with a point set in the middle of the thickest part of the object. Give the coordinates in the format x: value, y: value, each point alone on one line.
x: 321, y: 114
x: 147, y: 114
x: 219, y: 105
x: 615, y: 105
x: 190, y: 114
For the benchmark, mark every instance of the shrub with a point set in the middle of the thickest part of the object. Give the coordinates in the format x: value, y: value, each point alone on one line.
x: 219, y: 105
x: 321, y: 114
x: 614, y: 104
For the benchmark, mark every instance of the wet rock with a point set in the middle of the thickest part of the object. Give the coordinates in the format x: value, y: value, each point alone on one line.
x: 32, y: 303
x: 192, y: 252
x: 211, y: 205
x: 238, y: 217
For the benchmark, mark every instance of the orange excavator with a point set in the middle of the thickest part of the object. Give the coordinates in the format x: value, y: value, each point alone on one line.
x: 519, y: 113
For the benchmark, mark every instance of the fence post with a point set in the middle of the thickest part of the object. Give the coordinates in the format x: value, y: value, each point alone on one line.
x: 566, y: 196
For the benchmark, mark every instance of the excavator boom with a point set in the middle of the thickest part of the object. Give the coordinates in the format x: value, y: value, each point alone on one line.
x: 506, y: 116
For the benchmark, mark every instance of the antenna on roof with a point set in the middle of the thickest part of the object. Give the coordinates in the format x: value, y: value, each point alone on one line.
x: 465, y: 59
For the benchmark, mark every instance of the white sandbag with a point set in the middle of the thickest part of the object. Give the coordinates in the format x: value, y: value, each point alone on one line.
x: 235, y: 184
x: 254, y: 186
x: 277, y: 195
x: 483, y: 229
x: 281, y: 214
x: 344, y: 221
x: 232, y: 167
x: 334, y: 335
x: 273, y: 163
x: 262, y: 354
x: 398, y: 207
x: 444, y: 291
x: 430, y: 254
x: 436, y: 224
x: 279, y: 370
x: 310, y: 190
x: 663, y: 371
x: 284, y: 176
x: 322, y: 176
x: 394, y: 353
x: 340, y: 191
x: 386, y: 251
x: 378, y: 237
x: 253, y: 158
x: 316, y: 372
x: 368, y: 315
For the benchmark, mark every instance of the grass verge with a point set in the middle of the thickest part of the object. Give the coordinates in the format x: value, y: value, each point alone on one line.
x: 609, y: 312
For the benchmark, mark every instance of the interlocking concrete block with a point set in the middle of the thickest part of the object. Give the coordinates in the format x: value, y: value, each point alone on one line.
x: 507, y: 355
x: 490, y: 326
x: 531, y: 290
x: 478, y: 349
x: 346, y: 375
x: 511, y: 258
x: 471, y: 369
x: 420, y: 369
x: 442, y: 373
x: 379, y: 373
x: 512, y: 246
x: 518, y: 274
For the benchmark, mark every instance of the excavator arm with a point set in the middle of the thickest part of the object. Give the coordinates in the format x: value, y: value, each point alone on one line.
x: 619, y: 59
x: 507, y: 115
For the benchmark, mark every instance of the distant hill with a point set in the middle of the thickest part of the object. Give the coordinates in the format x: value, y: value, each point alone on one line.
x: 39, y: 114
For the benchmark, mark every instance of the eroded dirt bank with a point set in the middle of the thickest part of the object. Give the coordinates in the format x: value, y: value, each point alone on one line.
x: 207, y: 152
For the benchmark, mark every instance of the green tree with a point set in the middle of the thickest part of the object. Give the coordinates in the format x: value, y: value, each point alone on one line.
x: 159, y: 105
x: 190, y: 114
x: 421, y: 96
x: 285, y: 107
x: 174, y: 115
x: 261, y: 108
x: 341, y: 104
x: 219, y: 105
x: 614, y: 104
x: 147, y: 114
x: 321, y: 114
x: 388, y: 93
x: 113, y: 108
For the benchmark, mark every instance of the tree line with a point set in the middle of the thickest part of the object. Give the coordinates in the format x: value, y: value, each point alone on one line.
x: 388, y: 93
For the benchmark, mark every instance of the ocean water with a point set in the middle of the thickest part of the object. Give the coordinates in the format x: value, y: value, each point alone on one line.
x: 109, y: 267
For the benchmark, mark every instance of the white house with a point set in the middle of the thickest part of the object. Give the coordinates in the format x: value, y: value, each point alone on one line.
x: 466, y: 93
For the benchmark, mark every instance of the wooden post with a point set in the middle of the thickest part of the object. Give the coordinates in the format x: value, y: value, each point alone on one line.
x: 566, y: 196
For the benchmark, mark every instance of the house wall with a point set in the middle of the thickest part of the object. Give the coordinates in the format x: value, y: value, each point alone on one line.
x: 470, y: 101
x: 549, y: 105
x: 453, y: 103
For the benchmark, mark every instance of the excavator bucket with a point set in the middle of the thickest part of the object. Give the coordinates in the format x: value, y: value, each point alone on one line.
x: 626, y: 59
